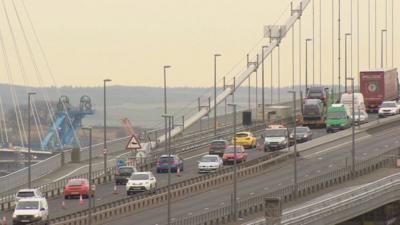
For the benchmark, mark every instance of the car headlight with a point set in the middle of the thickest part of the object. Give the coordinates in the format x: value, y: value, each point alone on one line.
x: 36, y: 215
x: 283, y: 142
x: 14, y: 216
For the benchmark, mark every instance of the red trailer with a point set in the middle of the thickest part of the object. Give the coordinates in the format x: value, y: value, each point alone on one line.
x: 377, y: 86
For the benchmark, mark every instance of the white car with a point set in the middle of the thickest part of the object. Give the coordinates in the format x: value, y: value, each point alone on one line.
x: 360, y: 116
x: 31, y: 210
x: 209, y: 163
x: 28, y: 193
x: 388, y: 108
x: 140, y: 182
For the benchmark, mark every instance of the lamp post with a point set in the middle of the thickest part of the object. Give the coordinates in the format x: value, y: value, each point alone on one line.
x: 167, y: 145
x: 382, y: 31
x: 263, y: 83
x: 345, y: 60
x: 307, y: 40
x: 29, y: 138
x: 105, y: 127
x: 353, y: 150
x: 295, y: 143
x: 215, y: 93
x: 90, y: 174
x: 234, y: 202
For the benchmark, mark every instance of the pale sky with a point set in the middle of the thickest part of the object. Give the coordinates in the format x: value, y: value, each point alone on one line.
x: 129, y: 41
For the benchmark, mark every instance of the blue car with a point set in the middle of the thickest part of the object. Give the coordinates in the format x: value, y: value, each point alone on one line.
x: 174, y: 161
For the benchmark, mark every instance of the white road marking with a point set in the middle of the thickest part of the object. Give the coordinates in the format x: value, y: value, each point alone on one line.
x: 318, y: 171
x: 195, y: 156
x: 252, y: 193
x: 364, y: 154
x: 189, y: 214
x: 266, y: 188
x: 330, y: 166
x: 333, y: 148
x: 222, y: 203
x: 386, y: 146
x: 279, y: 184
x: 320, y: 158
x: 206, y: 208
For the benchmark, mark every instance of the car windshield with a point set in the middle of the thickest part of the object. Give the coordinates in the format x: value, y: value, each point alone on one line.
x: 275, y: 133
x: 217, y: 144
x: 75, y: 182
x: 232, y: 150
x: 166, y: 159
x: 126, y: 170
x: 139, y: 177
x: 25, y: 194
x: 301, y: 129
x: 388, y: 105
x: 336, y: 115
x: 27, y: 205
x: 241, y: 135
x: 209, y: 159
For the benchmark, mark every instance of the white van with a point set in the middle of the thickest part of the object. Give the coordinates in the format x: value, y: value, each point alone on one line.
x: 346, y: 100
x: 31, y: 210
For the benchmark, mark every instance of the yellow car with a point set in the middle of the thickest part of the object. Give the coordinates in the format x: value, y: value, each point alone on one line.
x: 246, y: 139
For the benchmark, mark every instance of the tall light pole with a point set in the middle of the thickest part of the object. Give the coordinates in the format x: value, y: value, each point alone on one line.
x: 295, y: 143
x: 263, y: 82
x: 215, y: 93
x: 353, y: 148
x: 345, y: 60
x: 165, y: 89
x: 90, y: 174
x: 167, y: 146
x: 307, y: 40
x: 382, y: 31
x: 29, y: 139
x: 234, y: 202
x: 105, y: 127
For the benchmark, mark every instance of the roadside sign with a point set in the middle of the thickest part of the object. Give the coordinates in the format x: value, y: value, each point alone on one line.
x: 133, y: 143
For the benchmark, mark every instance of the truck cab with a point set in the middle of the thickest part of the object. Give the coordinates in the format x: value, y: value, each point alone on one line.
x: 275, y: 138
x: 338, y: 118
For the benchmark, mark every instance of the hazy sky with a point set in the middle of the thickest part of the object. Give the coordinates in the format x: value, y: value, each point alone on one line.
x: 129, y: 41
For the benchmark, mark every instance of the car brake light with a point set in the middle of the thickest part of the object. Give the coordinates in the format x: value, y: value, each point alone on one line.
x: 173, y: 162
x: 158, y: 162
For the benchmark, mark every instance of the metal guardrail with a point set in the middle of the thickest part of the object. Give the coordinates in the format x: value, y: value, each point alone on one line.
x: 253, y: 205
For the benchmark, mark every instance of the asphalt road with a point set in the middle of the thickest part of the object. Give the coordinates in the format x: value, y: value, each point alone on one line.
x: 104, y: 192
x: 309, y: 164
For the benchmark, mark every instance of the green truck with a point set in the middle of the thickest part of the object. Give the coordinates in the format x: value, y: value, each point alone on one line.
x: 337, y: 118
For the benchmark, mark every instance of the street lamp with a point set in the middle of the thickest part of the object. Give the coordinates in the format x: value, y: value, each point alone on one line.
x: 167, y: 146
x: 105, y: 127
x: 90, y: 174
x: 263, y: 83
x: 307, y: 40
x: 165, y: 88
x: 295, y: 143
x: 215, y: 93
x: 382, y: 31
x: 345, y: 60
x: 29, y: 138
x: 234, y: 202
x: 352, y: 128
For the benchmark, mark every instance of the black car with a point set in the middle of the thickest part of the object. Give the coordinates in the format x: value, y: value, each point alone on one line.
x: 123, y: 173
x: 217, y: 147
x: 303, y: 134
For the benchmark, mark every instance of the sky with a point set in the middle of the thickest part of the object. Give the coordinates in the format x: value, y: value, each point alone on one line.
x: 129, y: 41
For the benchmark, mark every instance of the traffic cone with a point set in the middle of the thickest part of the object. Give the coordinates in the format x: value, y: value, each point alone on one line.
x: 115, y: 190
x: 258, y: 147
x: 63, y: 205
x: 4, y: 221
x: 80, y: 200
x: 178, y: 172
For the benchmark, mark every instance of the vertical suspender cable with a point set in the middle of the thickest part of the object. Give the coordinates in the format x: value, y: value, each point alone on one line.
x: 320, y: 42
x: 313, y: 41
x: 333, y: 48
x: 4, y: 119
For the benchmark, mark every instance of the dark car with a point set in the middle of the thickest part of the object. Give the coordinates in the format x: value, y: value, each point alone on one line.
x: 303, y: 134
x: 174, y: 161
x: 123, y: 173
x: 217, y: 147
x: 317, y: 92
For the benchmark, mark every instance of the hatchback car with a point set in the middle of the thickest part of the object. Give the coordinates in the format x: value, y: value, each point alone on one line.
x: 209, y: 163
x: 217, y: 147
x: 123, y: 173
x: 229, y: 155
x: 141, y: 181
x: 76, y: 187
x: 164, y: 162
x: 245, y: 139
x: 303, y: 134
x: 28, y: 193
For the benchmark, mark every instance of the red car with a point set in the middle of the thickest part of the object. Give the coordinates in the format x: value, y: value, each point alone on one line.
x: 77, y: 187
x: 229, y: 156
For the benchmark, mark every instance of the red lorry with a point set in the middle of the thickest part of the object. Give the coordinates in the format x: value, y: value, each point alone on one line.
x: 377, y: 86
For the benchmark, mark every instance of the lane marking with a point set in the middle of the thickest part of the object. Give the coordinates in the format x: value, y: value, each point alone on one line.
x: 195, y: 156
x: 310, y: 156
